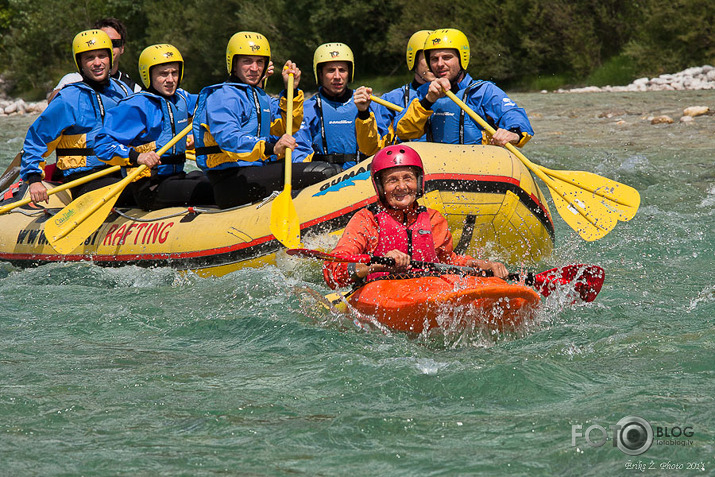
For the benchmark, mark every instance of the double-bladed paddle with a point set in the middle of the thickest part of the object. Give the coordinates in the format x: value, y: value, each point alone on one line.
x: 587, y: 280
x: 285, y: 225
x: 589, y: 204
x: 72, y: 225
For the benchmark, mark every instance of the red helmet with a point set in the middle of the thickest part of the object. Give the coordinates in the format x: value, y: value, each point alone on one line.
x: 397, y: 155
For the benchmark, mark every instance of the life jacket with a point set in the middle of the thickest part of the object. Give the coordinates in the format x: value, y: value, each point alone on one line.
x: 415, y: 240
x: 448, y: 123
x: 175, y: 117
x: 209, y: 155
x: 337, y: 140
x: 74, y: 148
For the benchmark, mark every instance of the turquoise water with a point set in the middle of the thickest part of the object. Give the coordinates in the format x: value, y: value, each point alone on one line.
x: 149, y: 372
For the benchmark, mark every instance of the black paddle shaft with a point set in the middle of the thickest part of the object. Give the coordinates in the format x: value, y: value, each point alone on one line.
x: 456, y: 269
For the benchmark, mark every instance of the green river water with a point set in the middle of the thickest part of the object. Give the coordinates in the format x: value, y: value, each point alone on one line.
x: 149, y: 372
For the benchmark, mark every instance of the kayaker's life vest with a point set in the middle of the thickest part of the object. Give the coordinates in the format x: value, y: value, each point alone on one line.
x: 175, y: 117
x: 74, y: 148
x: 257, y: 120
x: 415, y: 240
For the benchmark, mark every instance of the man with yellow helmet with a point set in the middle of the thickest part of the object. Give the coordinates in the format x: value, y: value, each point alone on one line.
x: 240, y: 131
x: 69, y: 124
x: 335, y: 116
x: 144, y: 122
x: 118, y: 34
x: 404, y: 95
x: 447, y: 54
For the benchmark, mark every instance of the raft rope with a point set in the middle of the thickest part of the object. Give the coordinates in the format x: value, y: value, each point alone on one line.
x: 187, y: 211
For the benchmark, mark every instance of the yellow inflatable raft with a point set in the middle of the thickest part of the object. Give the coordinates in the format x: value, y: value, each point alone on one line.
x: 488, y: 197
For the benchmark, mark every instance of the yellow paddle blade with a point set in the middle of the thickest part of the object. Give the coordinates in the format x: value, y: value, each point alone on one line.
x: 584, y: 212
x: 284, y: 220
x: 613, y: 195
x: 56, y: 229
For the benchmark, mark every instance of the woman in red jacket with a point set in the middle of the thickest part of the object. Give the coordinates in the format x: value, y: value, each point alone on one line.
x: 397, y: 227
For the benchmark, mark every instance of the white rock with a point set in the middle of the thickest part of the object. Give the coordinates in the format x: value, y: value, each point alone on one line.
x: 11, y: 108
x: 686, y: 119
x: 696, y: 70
x: 662, y: 120
x: 693, y: 111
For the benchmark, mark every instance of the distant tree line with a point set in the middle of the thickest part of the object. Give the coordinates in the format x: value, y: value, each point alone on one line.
x: 514, y: 42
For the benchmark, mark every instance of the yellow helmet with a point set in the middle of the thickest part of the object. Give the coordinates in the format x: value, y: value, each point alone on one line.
x: 415, y: 45
x: 449, y: 38
x: 333, y: 52
x: 90, y: 40
x: 158, y: 55
x: 247, y: 43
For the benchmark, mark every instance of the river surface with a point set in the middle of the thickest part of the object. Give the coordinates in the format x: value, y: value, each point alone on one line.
x: 149, y: 372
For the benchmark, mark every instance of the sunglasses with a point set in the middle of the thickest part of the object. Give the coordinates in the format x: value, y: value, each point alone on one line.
x: 117, y: 43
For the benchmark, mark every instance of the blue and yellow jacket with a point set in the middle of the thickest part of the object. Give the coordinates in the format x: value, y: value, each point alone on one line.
x: 332, y: 131
x: 68, y: 127
x: 236, y: 125
x: 387, y: 119
x: 448, y: 123
x: 145, y: 122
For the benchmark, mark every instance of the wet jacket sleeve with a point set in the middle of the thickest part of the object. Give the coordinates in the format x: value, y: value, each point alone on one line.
x: 371, y: 136
x: 304, y: 139
x: 42, y: 138
x: 123, y: 125
x: 279, y: 109
x: 412, y: 121
x: 502, y: 112
x: 360, y: 236
x: 232, y: 132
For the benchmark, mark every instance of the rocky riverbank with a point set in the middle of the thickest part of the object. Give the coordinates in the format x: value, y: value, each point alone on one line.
x: 12, y: 106
x: 696, y: 78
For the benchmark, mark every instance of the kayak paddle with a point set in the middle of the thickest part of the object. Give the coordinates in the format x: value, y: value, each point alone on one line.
x: 285, y: 225
x: 587, y: 279
x: 590, y: 204
x: 72, y: 225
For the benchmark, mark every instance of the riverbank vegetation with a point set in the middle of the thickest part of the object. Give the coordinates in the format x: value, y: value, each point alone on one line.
x: 520, y: 44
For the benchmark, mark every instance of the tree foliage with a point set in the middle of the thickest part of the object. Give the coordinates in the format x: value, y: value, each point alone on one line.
x: 511, y: 40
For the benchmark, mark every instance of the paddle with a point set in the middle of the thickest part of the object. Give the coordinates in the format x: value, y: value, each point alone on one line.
x: 73, y: 224
x: 589, y: 204
x: 13, y: 170
x: 387, y: 104
x: 587, y: 279
x: 285, y: 225
x: 60, y: 188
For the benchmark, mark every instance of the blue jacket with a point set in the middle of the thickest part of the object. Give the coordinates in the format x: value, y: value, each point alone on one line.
x: 330, y: 127
x: 145, y: 122
x: 236, y: 125
x: 68, y: 126
x: 402, y: 97
x: 449, y: 124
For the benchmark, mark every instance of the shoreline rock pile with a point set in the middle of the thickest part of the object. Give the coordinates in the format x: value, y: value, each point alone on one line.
x: 12, y: 107
x: 696, y: 78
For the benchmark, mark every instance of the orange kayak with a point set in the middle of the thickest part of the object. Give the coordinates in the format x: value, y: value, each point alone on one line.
x: 451, y: 302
